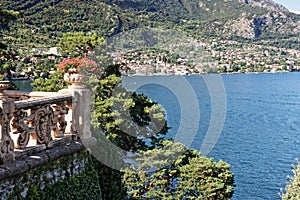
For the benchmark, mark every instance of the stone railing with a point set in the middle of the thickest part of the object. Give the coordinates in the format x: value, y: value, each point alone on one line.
x: 32, y: 122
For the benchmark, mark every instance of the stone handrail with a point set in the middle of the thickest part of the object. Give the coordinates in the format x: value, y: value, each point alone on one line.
x: 42, y: 120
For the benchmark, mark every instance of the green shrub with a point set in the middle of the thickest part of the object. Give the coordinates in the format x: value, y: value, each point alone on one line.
x: 293, y: 188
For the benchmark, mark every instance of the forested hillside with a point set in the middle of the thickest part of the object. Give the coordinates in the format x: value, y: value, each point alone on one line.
x: 42, y: 22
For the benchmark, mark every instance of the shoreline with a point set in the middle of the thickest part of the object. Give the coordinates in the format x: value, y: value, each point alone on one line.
x: 235, y: 73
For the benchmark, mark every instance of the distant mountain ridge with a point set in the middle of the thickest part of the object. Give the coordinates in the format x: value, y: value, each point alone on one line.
x: 268, y: 4
x: 43, y: 21
x: 242, y: 18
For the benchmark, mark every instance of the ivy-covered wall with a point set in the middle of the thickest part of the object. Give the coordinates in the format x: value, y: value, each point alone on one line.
x: 69, y: 177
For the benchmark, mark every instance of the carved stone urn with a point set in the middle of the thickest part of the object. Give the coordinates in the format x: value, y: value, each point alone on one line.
x: 73, y: 77
x: 4, y: 85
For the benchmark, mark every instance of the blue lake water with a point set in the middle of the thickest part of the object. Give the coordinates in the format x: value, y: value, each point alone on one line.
x: 24, y: 85
x: 260, y: 138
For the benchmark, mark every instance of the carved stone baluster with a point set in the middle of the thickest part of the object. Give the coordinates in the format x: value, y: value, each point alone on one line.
x: 21, y: 127
x: 42, y: 122
x: 60, y: 125
x: 6, y: 143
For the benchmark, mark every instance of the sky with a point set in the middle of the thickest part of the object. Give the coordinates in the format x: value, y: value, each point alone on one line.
x: 292, y: 5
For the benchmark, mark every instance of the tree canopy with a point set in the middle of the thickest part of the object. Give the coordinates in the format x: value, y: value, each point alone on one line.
x: 173, y: 172
x: 79, y: 43
x: 6, y: 16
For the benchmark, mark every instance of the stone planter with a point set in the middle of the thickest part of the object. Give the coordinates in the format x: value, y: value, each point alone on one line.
x: 73, y: 77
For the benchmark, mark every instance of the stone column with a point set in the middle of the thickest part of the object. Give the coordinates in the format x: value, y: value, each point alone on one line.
x: 81, y: 109
x: 81, y: 113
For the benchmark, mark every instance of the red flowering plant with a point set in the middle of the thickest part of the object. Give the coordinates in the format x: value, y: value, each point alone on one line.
x: 83, y: 66
x: 74, y: 64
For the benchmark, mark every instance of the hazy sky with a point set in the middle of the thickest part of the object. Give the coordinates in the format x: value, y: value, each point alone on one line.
x: 292, y: 5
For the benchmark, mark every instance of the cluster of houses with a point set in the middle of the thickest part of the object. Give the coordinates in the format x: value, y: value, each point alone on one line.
x: 226, y: 56
x: 255, y: 58
x: 145, y: 65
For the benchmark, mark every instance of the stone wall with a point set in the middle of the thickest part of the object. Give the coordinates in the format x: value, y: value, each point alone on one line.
x: 63, y: 172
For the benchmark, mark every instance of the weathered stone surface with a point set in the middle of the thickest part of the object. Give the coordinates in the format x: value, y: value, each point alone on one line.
x: 23, y: 164
x: 6, y: 143
x: 26, y: 95
x: 38, y: 170
x: 55, y: 152
x: 81, y: 112
x: 42, y: 101
x: 44, y: 119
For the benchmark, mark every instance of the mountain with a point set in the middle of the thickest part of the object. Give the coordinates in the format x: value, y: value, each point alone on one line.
x: 268, y: 4
x: 225, y: 18
x: 43, y: 22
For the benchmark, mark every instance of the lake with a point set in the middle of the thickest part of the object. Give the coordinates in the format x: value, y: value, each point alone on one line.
x: 24, y: 85
x: 260, y: 137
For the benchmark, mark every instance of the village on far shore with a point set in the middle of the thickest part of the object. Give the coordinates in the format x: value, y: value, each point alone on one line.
x: 225, y: 56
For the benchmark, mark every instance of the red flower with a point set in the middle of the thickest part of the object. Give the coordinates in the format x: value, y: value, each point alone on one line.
x: 74, y: 63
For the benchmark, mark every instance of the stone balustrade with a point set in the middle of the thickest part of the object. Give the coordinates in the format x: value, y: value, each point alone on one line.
x: 35, y: 121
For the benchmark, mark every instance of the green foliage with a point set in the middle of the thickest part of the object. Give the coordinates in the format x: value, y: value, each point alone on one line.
x: 114, y: 127
x: 293, y: 188
x: 125, y: 117
x: 172, y: 172
x: 43, y: 23
x: 110, y: 181
x: 54, y: 83
x: 37, y: 184
x: 79, y: 43
x: 6, y: 16
x: 83, y: 186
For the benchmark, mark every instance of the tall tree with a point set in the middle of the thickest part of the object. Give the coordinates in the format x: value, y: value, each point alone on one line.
x: 122, y: 121
x: 79, y: 44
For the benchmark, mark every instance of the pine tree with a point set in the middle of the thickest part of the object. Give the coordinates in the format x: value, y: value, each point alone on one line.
x: 173, y: 172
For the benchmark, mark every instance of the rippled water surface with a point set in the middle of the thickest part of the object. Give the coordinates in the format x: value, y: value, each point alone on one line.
x: 261, y: 134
